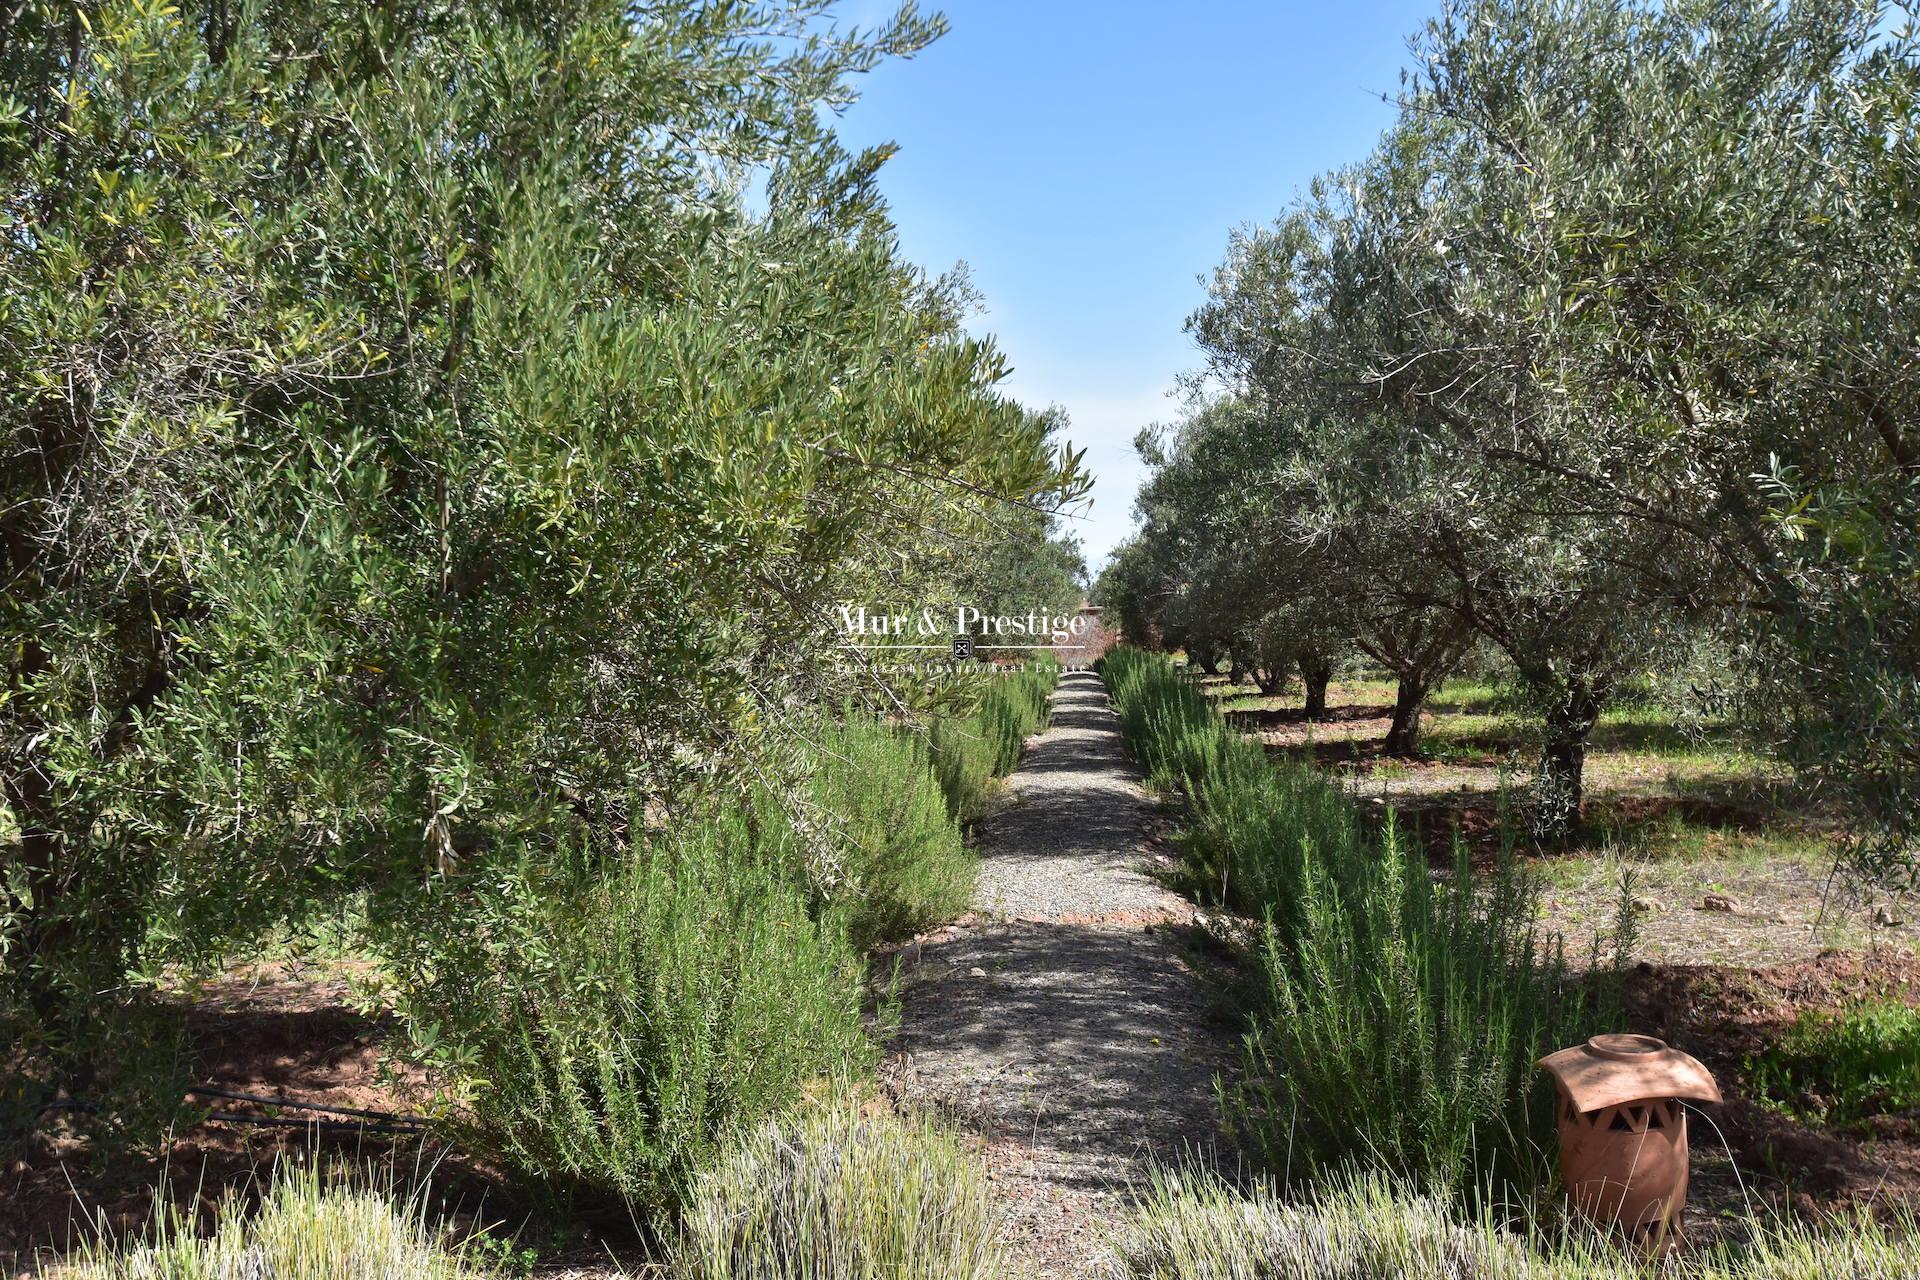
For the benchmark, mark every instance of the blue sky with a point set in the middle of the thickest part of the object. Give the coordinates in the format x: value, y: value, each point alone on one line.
x: 1087, y: 160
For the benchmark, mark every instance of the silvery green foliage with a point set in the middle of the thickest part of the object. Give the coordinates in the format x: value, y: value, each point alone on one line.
x: 843, y: 1192
x: 1703, y: 215
x: 415, y: 446
x: 1192, y: 1227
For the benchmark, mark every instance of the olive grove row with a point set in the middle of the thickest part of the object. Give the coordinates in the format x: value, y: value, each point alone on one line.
x: 1605, y: 361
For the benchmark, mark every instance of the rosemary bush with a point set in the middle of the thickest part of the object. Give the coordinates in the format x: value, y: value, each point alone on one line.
x: 1397, y: 1014
x: 970, y: 751
x: 899, y: 862
x: 615, y: 1022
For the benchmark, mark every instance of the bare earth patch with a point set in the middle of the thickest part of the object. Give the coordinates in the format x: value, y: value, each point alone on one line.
x: 1690, y: 822
x: 1724, y: 1016
x: 1765, y: 911
x: 267, y: 1033
x: 1064, y: 1022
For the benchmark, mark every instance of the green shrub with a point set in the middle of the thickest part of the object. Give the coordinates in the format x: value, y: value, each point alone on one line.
x: 963, y: 761
x: 405, y: 518
x: 1253, y: 828
x: 837, y: 1195
x: 970, y: 751
x: 1398, y: 1020
x: 1168, y: 723
x: 306, y: 1228
x: 615, y: 1023
x: 1843, y: 1067
x: 1013, y: 708
x: 900, y: 861
x: 1397, y: 1017
x: 1195, y: 1228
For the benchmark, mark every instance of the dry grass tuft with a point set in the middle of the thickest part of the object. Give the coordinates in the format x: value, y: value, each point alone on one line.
x: 840, y: 1194
x: 308, y: 1227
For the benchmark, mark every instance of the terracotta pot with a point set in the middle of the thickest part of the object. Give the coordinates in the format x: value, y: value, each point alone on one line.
x: 1623, y: 1131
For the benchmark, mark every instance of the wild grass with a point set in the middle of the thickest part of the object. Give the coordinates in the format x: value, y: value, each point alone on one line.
x: 1842, y: 1067
x: 899, y: 862
x: 615, y: 1023
x: 1468, y: 718
x: 1678, y: 853
x: 307, y: 1227
x: 1194, y: 1228
x: 842, y: 1193
x: 1397, y: 1014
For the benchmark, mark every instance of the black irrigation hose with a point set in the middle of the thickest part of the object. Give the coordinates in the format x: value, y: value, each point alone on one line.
x: 417, y: 1122
x: 275, y: 1122
x: 364, y: 1121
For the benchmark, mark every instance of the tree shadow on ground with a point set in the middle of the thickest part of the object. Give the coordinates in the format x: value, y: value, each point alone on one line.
x: 277, y: 1040
x: 1091, y: 1045
x: 1254, y: 719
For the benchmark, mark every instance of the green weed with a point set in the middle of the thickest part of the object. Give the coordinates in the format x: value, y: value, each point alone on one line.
x: 1840, y: 1068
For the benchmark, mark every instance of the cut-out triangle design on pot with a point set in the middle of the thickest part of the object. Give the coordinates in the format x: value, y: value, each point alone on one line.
x: 1623, y: 1130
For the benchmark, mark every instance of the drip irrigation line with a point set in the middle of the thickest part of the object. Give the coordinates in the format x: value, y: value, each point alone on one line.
x: 361, y: 1120
x: 389, y: 1117
x: 285, y: 1122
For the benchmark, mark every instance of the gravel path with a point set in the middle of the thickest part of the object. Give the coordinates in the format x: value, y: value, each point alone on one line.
x: 1061, y: 1021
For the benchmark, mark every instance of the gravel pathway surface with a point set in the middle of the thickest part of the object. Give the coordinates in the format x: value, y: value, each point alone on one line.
x: 1061, y: 1020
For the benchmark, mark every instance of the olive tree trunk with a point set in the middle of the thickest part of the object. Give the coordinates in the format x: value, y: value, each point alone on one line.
x: 1560, y: 782
x: 1410, y: 695
x: 1317, y: 676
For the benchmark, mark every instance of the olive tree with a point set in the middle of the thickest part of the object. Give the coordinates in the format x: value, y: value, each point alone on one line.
x: 419, y: 450
x: 1347, y: 310
x: 1709, y: 232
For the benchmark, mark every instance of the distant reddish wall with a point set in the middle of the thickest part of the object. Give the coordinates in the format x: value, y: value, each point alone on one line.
x: 1094, y: 641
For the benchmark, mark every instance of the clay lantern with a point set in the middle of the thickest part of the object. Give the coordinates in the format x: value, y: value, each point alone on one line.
x: 1623, y: 1131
